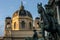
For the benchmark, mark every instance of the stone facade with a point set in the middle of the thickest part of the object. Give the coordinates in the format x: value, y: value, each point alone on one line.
x: 1, y: 38
x: 37, y: 23
x: 20, y: 26
x: 19, y: 35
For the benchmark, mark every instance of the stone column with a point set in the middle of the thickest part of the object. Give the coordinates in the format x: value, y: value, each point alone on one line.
x: 58, y: 15
x: 57, y: 2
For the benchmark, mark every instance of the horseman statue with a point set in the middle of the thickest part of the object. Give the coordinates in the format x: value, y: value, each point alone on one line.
x: 50, y: 23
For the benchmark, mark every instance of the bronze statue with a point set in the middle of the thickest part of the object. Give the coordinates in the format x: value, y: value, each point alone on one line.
x: 49, y: 22
x: 35, y: 36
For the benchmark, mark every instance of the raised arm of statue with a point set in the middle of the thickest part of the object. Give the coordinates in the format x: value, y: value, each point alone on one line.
x: 39, y: 5
x: 40, y: 8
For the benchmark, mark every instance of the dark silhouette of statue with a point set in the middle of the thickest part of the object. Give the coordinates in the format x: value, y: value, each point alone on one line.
x: 50, y: 23
x: 35, y: 35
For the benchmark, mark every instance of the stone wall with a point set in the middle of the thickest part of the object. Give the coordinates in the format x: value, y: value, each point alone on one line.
x: 21, y: 35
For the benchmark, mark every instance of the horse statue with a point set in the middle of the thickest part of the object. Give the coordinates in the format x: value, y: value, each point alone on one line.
x: 49, y: 23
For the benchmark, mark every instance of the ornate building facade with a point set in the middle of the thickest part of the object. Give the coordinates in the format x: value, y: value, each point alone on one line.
x: 37, y: 23
x: 20, y: 26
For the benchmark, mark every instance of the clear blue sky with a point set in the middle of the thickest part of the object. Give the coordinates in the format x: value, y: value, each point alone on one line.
x: 8, y: 7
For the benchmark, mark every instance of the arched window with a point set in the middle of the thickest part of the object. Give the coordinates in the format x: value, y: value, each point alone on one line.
x: 8, y: 25
x: 30, y: 25
x: 14, y: 25
x: 38, y: 25
x: 23, y: 24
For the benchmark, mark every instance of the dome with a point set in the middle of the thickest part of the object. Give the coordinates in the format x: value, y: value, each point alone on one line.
x: 22, y: 13
x: 37, y: 18
x: 25, y: 13
x: 8, y: 17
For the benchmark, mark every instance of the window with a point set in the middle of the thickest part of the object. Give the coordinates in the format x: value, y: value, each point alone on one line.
x: 30, y: 25
x: 23, y: 24
x: 8, y: 25
x: 14, y: 25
